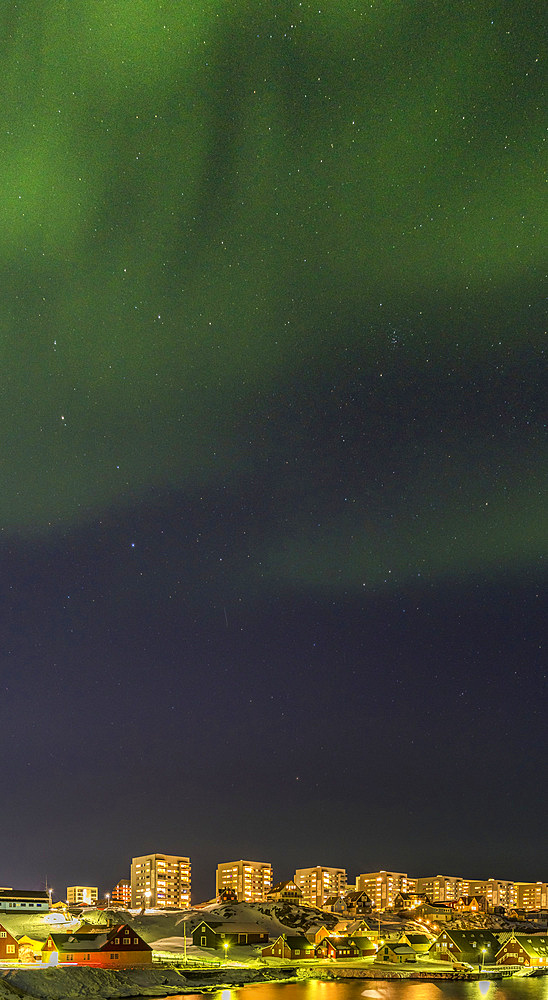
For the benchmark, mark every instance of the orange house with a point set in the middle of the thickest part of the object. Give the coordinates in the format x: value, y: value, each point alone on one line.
x: 118, y: 947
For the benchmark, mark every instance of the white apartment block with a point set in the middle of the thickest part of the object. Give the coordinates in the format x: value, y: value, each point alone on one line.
x: 498, y: 892
x: 383, y: 887
x: 317, y: 884
x: 159, y: 880
x: 78, y: 895
x: 444, y: 888
x: 532, y: 895
x: 250, y: 880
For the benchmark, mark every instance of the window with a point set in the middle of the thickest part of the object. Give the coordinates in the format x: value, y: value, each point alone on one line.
x: 10, y: 949
x: 116, y: 940
x: 2, y: 933
x: 135, y: 940
x: 127, y: 941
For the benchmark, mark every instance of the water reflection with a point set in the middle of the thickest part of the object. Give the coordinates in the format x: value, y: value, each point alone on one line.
x: 356, y: 989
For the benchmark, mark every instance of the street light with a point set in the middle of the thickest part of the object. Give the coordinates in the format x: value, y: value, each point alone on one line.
x: 225, y: 946
x: 483, y: 950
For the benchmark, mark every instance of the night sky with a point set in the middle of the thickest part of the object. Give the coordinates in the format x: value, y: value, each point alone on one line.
x: 273, y: 447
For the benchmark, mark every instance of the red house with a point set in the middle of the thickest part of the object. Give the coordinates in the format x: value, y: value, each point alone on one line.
x: 117, y: 947
x: 9, y: 949
x: 338, y: 947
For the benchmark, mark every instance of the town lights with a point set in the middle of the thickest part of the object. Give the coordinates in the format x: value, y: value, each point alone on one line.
x: 225, y: 946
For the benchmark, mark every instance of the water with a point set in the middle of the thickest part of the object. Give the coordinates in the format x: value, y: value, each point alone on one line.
x: 359, y: 989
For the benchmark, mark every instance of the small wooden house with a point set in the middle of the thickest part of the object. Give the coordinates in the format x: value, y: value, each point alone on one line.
x: 290, y: 947
x: 9, y: 946
x: 117, y: 947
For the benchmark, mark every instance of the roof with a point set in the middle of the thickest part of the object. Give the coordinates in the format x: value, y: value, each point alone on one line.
x: 79, y: 942
x: 40, y: 894
x: 400, y: 949
x: 353, y: 897
x: 418, y: 938
x: 283, y: 885
x: 231, y: 928
x: 473, y: 940
x: 536, y: 945
x: 297, y: 941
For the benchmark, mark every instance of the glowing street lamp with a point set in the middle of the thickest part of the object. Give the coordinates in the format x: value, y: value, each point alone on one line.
x: 225, y: 946
x: 483, y: 950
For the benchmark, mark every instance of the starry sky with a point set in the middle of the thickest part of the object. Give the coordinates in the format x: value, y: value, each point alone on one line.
x: 273, y: 438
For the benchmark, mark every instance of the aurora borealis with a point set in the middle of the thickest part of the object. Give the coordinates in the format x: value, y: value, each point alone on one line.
x: 273, y: 433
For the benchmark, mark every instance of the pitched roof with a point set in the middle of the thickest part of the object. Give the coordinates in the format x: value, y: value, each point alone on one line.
x: 40, y: 894
x: 283, y: 885
x: 297, y: 941
x: 535, y: 945
x: 79, y: 942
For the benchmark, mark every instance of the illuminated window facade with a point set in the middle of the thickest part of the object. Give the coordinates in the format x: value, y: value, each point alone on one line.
x: 78, y: 895
x: 446, y: 888
x: 383, y: 887
x: 250, y: 880
x: 532, y: 895
x: 317, y: 884
x: 122, y: 892
x: 159, y: 880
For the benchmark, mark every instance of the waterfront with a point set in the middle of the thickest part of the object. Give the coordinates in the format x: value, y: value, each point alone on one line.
x: 404, y: 989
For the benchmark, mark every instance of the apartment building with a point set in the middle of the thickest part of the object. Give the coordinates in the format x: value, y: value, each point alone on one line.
x: 317, y: 884
x: 159, y: 880
x: 383, y: 887
x: 250, y: 880
x: 121, y: 893
x: 82, y: 895
x: 498, y: 892
x: 445, y: 888
x: 532, y: 895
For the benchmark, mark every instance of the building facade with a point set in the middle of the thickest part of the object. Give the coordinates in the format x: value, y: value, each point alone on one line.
x: 159, y: 880
x: 383, y: 887
x: 444, y: 888
x: 317, y: 884
x: 24, y: 900
x: 532, y: 895
x: 250, y: 880
x: 85, y: 895
x: 121, y: 893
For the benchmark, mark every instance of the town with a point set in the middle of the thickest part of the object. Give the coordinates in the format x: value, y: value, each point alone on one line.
x: 317, y: 919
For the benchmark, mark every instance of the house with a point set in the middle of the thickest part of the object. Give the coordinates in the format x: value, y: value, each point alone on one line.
x: 316, y: 936
x: 287, y: 892
x: 227, y: 935
x: 291, y: 947
x: 9, y: 947
x: 421, y: 943
x: 364, y: 927
x: 409, y: 900
x: 472, y: 904
x: 357, y: 903
x: 24, y: 900
x: 478, y: 947
x: 30, y: 950
x: 396, y: 952
x: 337, y: 947
x: 227, y: 895
x: 116, y: 947
x: 334, y: 904
x: 366, y: 946
x: 435, y: 912
x: 529, y: 951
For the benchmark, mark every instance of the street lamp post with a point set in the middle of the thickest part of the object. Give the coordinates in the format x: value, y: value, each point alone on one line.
x: 184, y: 939
x: 483, y: 950
x: 225, y: 946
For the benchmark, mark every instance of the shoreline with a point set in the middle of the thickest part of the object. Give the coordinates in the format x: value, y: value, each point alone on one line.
x: 164, y: 981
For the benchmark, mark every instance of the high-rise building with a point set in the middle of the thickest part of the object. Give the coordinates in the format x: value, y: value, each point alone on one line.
x: 250, y: 880
x: 382, y: 887
x: 444, y: 888
x: 121, y: 893
x: 159, y: 880
x: 532, y: 895
x: 498, y: 892
x: 78, y: 895
x: 317, y: 884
